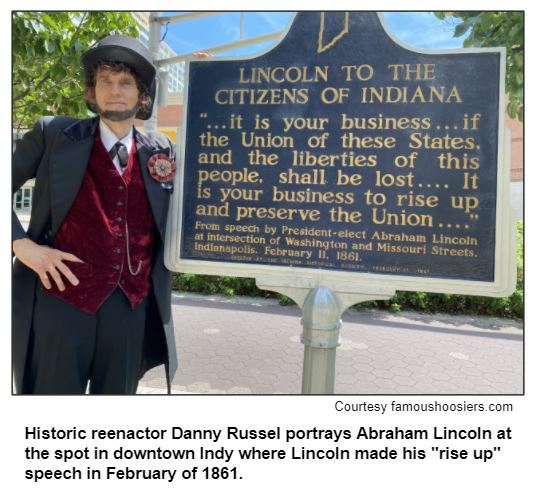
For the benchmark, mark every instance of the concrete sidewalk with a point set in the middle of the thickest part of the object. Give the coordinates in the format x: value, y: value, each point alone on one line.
x: 252, y: 346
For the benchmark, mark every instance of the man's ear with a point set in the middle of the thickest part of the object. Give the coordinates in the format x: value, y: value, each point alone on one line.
x: 90, y: 95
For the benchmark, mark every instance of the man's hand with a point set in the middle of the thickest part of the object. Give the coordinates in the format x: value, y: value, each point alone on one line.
x: 201, y: 54
x: 46, y: 261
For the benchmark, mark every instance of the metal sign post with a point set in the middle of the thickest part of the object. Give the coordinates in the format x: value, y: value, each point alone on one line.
x: 321, y: 336
x: 322, y: 307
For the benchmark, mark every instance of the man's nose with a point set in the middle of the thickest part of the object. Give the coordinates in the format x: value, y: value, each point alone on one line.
x: 116, y: 88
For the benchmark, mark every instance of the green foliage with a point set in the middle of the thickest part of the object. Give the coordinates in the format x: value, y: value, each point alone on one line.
x: 284, y: 300
x: 488, y: 29
x: 512, y: 307
x: 47, y: 72
x: 222, y: 285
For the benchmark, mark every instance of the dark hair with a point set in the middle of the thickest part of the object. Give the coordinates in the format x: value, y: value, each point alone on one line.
x: 145, y: 101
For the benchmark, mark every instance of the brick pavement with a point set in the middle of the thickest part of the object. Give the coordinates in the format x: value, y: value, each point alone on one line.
x: 252, y: 346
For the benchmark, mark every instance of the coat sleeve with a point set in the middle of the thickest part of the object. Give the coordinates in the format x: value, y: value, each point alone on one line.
x: 26, y: 159
x: 172, y: 147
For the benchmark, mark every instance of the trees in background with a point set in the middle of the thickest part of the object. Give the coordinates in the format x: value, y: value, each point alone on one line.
x: 488, y: 29
x: 47, y: 73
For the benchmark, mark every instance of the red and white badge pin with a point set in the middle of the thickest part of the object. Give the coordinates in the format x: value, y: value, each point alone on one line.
x: 161, y: 167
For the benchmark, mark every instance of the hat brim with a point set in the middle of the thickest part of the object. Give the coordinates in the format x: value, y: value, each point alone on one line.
x: 144, y: 69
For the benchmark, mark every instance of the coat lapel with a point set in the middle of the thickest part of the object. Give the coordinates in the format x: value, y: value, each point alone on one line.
x: 70, y: 156
x: 157, y: 196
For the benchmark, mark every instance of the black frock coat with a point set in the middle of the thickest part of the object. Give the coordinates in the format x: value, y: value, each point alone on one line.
x: 56, y: 153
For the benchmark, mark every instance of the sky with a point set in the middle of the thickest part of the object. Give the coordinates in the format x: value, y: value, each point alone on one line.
x: 418, y: 29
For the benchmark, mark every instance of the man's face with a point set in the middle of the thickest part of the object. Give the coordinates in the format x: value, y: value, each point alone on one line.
x: 116, y: 95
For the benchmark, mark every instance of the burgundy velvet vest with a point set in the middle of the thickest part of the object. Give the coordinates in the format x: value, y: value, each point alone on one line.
x: 108, y: 209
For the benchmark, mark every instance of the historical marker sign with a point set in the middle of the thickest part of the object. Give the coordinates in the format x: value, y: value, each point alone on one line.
x: 342, y: 154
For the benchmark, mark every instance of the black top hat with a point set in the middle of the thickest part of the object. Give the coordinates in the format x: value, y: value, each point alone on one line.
x: 125, y: 50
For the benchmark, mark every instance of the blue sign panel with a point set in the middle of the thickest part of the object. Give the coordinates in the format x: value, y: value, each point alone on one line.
x: 339, y: 149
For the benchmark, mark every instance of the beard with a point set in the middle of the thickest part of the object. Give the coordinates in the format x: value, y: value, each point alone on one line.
x: 118, y: 115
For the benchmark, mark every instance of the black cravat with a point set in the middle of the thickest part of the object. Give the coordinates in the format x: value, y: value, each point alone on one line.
x: 122, y: 152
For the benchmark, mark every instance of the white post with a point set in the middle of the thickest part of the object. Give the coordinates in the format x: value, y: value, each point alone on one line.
x: 154, y: 37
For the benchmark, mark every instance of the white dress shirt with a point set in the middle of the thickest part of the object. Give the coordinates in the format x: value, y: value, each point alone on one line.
x: 109, y: 139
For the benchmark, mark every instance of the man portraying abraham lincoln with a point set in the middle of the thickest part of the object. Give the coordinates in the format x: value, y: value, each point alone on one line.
x: 91, y: 295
